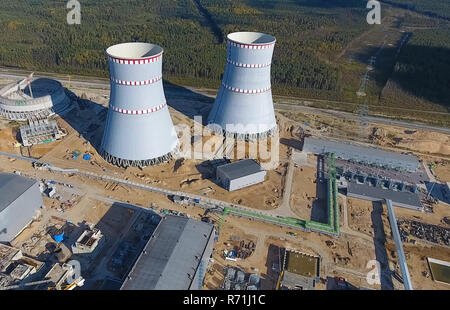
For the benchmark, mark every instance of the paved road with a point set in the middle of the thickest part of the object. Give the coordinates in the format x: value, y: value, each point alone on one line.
x: 91, y: 83
x: 24, y: 158
x: 300, y: 108
x: 280, y: 106
x: 104, y: 177
x: 285, y: 208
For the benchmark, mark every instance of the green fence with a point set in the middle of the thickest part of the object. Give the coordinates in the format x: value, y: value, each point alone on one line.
x: 332, y: 227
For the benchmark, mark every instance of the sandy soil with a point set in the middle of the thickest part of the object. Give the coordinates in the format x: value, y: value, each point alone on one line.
x: 442, y: 171
x: 441, y: 210
x: 335, y: 257
x: 303, y: 191
x: 359, y: 215
x: 8, y: 141
x: 422, y: 141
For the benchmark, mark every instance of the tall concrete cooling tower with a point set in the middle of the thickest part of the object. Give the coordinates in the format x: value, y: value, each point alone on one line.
x: 139, y: 131
x: 243, y: 107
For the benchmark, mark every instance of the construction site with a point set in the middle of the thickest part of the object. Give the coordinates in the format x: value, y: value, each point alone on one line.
x: 316, y: 211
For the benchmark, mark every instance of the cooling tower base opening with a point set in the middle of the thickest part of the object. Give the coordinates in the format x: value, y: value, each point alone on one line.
x: 125, y: 163
x: 246, y: 136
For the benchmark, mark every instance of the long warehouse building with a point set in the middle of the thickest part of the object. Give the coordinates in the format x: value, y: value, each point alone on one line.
x: 175, y: 257
x: 362, y: 154
x: 20, y: 199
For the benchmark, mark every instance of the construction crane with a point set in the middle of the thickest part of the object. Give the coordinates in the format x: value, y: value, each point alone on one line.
x: 69, y: 287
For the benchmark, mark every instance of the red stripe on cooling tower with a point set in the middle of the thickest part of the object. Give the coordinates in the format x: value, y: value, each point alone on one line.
x: 251, y: 46
x: 246, y: 91
x: 136, y: 112
x: 237, y: 64
x: 136, y: 83
x: 135, y: 61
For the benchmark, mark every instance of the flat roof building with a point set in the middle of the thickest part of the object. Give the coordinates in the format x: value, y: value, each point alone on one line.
x: 20, y: 199
x: 299, y: 271
x: 401, y: 199
x: 175, y: 257
x: 362, y: 154
x: 14, y: 266
x: 240, y: 174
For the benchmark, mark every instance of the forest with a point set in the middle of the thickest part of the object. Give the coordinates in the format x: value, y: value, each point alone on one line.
x: 37, y: 37
x: 310, y: 36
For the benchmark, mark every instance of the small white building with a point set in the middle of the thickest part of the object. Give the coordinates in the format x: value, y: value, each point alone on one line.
x: 240, y: 174
x: 88, y: 242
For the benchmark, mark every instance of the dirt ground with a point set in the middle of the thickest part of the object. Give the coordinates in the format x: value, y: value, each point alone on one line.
x: 422, y: 141
x: 8, y: 141
x: 334, y: 253
x: 191, y: 176
x: 417, y: 264
x: 304, y: 189
x: 359, y: 215
x: 442, y: 171
x: 440, y: 211
x: 346, y: 256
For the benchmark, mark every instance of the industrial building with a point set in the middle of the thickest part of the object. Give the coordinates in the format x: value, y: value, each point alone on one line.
x: 20, y: 199
x: 14, y: 266
x: 243, y: 108
x: 139, y: 131
x: 401, y: 199
x: 39, y: 98
x: 89, y: 242
x: 236, y: 279
x: 59, y: 277
x: 361, y: 154
x: 240, y: 174
x: 299, y: 272
x: 176, y: 256
x: 40, y: 131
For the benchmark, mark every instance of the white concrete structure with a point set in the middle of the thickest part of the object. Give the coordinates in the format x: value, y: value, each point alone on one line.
x: 240, y: 174
x: 46, y: 97
x: 243, y: 107
x: 139, y: 131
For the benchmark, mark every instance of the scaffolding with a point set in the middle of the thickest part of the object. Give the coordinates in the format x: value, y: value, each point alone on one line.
x: 40, y: 131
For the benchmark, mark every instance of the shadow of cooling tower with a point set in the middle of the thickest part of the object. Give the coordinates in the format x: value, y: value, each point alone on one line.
x: 179, y: 98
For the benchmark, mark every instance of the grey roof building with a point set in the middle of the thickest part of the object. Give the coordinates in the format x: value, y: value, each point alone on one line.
x: 20, y: 198
x: 240, y: 174
x: 401, y: 199
x: 359, y: 153
x: 175, y: 257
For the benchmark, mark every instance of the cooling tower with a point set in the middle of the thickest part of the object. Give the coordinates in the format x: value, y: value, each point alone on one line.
x: 138, y: 131
x: 243, y: 107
